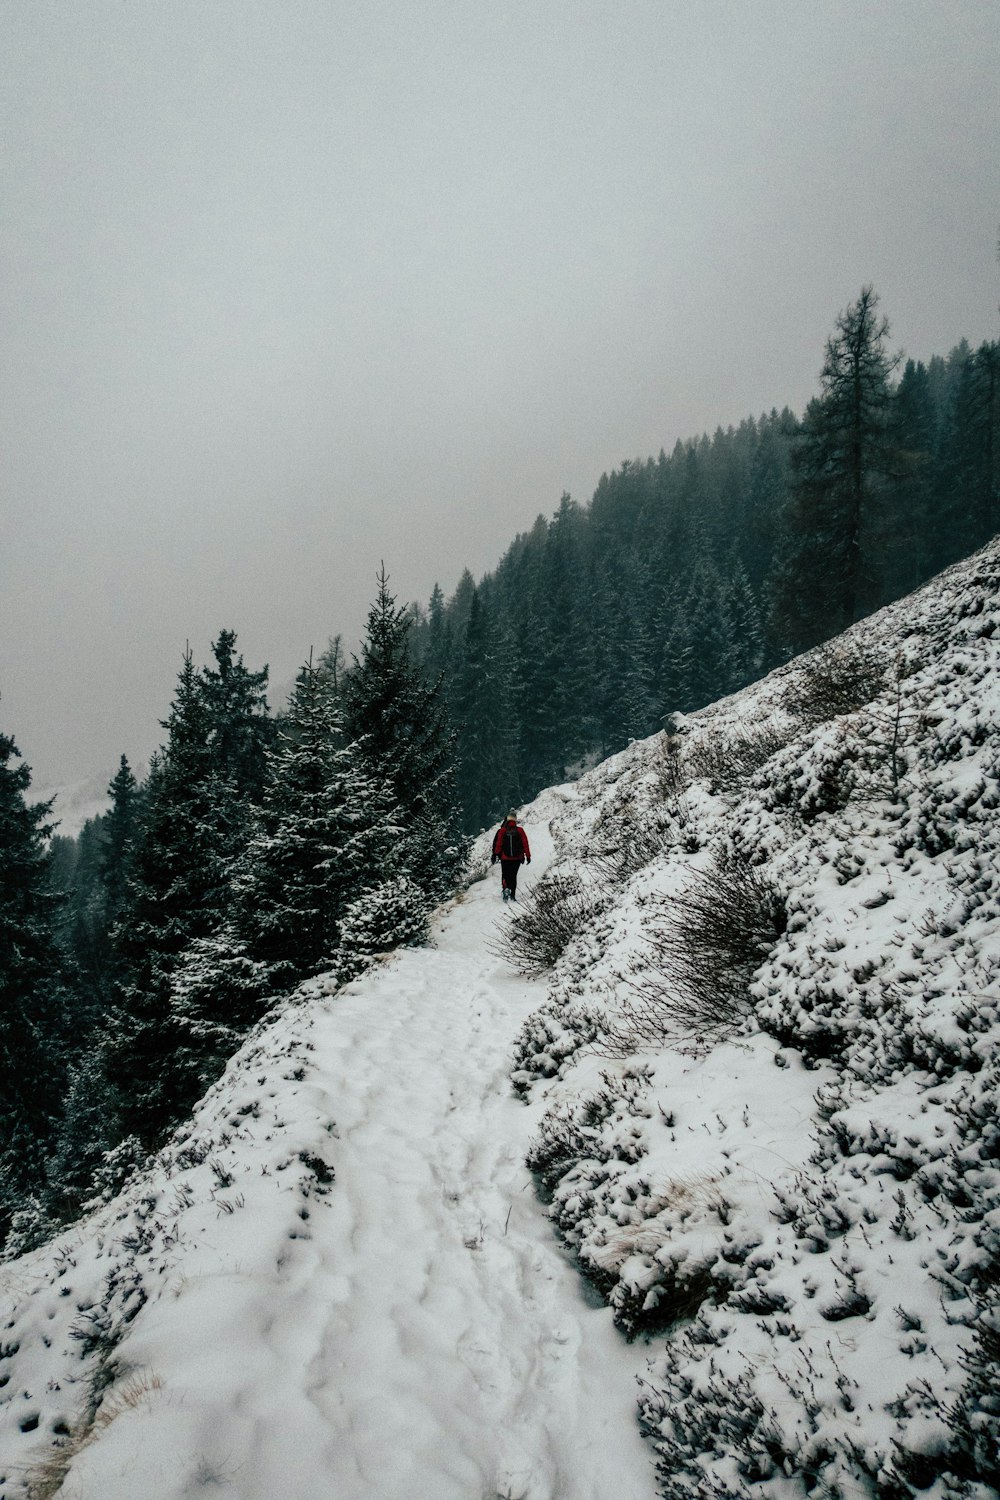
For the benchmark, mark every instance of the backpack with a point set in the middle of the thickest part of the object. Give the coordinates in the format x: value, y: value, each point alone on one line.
x: 510, y: 845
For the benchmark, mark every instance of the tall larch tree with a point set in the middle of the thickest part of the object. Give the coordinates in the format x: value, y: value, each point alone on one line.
x: 842, y: 459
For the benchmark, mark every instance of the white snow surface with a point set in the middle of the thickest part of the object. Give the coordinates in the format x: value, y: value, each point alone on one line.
x: 409, y: 1329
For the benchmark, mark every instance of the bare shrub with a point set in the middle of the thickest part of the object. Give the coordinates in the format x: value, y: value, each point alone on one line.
x: 669, y: 768
x: 549, y: 918
x: 704, y: 947
x: 727, y: 762
x: 630, y: 837
x: 836, y: 679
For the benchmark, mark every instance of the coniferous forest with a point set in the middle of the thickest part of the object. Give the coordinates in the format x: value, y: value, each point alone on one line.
x: 690, y: 574
x: 264, y: 848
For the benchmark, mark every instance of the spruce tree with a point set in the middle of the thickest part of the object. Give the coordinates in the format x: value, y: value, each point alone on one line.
x: 746, y: 648
x: 673, y: 680
x: 486, y: 711
x: 177, y: 890
x: 121, y: 824
x: 240, y: 727
x: 969, y: 481
x: 32, y: 1015
x: 326, y: 834
x: 713, y: 655
x: 406, y: 746
x: 906, y: 514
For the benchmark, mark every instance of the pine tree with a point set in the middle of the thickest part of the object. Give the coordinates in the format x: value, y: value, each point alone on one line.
x: 746, y: 650
x: 333, y: 664
x: 32, y: 1017
x: 437, y: 650
x: 906, y: 513
x: 673, y: 680
x: 86, y: 926
x: 399, y: 725
x: 969, y: 480
x: 710, y: 622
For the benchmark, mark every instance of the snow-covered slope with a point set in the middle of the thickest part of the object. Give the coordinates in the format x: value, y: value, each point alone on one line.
x: 750, y: 1009
x: 771, y: 1056
x: 337, y: 1281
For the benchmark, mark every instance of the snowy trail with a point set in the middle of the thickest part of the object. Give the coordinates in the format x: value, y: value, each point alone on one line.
x: 417, y: 1334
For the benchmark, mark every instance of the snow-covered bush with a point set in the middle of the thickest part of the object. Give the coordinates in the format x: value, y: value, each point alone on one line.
x: 30, y: 1226
x: 391, y: 915
x: 727, y: 761
x: 835, y: 679
x: 703, y: 945
x: 654, y: 1252
x: 629, y: 836
x: 552, y: 1036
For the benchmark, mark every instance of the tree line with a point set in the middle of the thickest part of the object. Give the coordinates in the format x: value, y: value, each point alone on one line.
x: 690, y: 574
x: 264, y: 848
x: 260, y: 850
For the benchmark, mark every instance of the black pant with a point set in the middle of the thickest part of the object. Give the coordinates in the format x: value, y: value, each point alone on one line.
x: 508, y: 874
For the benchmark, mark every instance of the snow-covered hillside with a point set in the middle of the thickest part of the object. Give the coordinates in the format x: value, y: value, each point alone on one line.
x: 749, y: 1010
x: 75, y: 803
x: 782, y: 931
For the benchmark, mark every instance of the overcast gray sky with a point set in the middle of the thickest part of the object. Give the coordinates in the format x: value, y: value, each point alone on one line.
x: 289, y: 287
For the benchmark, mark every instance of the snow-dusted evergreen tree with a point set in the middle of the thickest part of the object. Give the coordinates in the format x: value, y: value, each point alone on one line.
x: 31, y: 1001
x: 485, y: 706
x: 121, y: 823
x: 674, y: 678
x: 176, y: 892
x: 438, y: 640
x: 746, y: 651
x: 326, y: 834
x: 240, y: 727
x: 197, y: 810
x: 393, y: 914
x: 968, y: 499
x: 844, y: 455
x: 399, y: 725
x: 333, y: 663
x: 712, y: 664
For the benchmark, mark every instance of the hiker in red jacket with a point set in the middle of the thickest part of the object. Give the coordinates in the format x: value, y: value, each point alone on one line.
x: 510, y: 847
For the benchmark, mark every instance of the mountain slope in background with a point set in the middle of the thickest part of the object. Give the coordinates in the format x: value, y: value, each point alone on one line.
x: 755, y: 1030
x: 75, y: 804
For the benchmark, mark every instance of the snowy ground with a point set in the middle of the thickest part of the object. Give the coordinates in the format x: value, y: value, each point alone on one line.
x: 410, y: 1329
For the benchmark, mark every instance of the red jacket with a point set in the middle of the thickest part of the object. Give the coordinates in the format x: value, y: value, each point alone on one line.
x: 519, y: 841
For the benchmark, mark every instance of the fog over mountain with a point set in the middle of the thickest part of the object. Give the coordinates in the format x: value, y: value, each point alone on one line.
x: 291, y: 288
